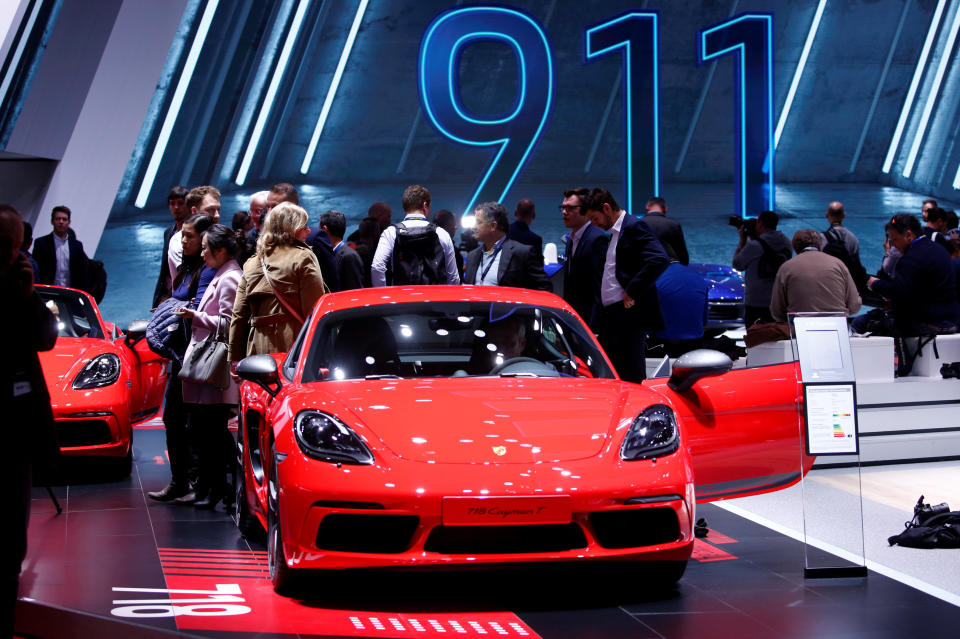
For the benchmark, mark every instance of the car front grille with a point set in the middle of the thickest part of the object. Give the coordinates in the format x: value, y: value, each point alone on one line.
x: 635, y: 527
x: 349, y: 532
x: 725, y: 312
x: 83, y: 432
x: 480, y: 540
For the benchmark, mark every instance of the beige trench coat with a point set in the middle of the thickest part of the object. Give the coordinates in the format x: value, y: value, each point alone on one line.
x: 261, y: 324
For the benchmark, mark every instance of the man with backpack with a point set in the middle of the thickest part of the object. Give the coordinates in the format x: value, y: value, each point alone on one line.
x: 841, y: 243
x: 415, y: 250
x: 760, y: 253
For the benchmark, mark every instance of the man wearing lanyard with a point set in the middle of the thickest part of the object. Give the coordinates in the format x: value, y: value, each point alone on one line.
x: 500, y: 261
x: 628, y: 288
x: 416, y: 208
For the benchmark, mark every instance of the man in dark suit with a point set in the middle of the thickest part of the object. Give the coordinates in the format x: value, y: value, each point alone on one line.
x: 500, y: 261
x: 628, y: 288
x: 668, y: 231
x: 519, y: 230
x: 176, y: 201
x: 60, y: 255
x: 348, y: 261
x: 585, y: 253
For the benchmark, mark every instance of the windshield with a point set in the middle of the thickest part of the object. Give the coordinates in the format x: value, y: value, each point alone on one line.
x: 452, y: 339
x: 74, y: 313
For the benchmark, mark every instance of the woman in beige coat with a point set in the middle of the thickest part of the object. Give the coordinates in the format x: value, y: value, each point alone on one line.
x: 279, y: 287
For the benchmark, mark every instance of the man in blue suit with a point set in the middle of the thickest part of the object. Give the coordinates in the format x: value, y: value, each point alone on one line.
x: 628, y: 287
x: 585, y: 253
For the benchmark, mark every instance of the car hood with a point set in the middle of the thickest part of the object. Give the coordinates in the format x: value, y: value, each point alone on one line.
x: 62, y: 364
x: 483, y: 420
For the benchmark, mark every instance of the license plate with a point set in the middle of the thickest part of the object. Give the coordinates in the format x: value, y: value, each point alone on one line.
x: 505, y: 511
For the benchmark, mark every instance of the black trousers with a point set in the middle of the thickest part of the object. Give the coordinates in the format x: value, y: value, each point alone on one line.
x: 183, y: 464
x: 214, y: 445
x: 624, y: 341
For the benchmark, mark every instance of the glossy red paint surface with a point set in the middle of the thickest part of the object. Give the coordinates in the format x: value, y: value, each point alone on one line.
x: 435, y: 439
x: 135, y: 396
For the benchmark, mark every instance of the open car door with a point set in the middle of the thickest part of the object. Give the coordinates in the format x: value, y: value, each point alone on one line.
x: 743, y: 430
x: 149, y: 379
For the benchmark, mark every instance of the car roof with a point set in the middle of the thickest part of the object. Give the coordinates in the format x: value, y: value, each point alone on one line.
x: 437, y: 293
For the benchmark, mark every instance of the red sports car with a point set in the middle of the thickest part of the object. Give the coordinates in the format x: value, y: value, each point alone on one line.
x: 101, y: 382
x: 431, y: 426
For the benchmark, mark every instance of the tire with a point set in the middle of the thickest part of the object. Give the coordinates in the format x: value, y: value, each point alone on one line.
x: 246, y: 522
x: 282, y: 576
x: 122, y: 466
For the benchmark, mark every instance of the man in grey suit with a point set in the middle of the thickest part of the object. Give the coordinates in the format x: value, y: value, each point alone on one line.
x: 500, y: 261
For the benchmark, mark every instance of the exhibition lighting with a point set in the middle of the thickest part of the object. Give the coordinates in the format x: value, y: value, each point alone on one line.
x: 956, y: 179
x: 799, y: 72
x: 161, y: 146
x: 930, y: 97
x: 274, y: 85
x: 912, y: 91
x: 21, y: 45
x: 332, y: 92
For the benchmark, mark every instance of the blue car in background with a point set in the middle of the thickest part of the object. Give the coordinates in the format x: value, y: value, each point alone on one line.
x: 725, y: 301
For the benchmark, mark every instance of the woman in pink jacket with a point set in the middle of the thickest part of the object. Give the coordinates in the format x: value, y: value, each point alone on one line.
x: 209, y: 406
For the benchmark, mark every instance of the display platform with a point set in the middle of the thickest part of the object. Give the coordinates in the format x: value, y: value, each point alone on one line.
x: 115, y: 558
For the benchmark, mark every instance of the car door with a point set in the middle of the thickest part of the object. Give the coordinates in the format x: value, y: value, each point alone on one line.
x: 744, y: 430
x: 148, y: 379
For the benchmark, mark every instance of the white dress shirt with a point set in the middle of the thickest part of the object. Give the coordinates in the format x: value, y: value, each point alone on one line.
x: 175, y: 255
x: 610, y: 290
x: 490, y: 264
x: 62, y: 250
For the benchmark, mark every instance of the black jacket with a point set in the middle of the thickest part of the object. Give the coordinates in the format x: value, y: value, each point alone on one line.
x: 519, y: 231
x: 640, y: 261
x: 582, y: 272
x: 45, y: 253
x: 670, y: 234
x: 349, y: 267
x: 518, y: 267
x: 160, y: 291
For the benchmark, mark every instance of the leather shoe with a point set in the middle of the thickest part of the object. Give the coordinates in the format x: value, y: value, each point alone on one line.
x: 188, y: 498
x: 171, y: 492
x: 209, y: 502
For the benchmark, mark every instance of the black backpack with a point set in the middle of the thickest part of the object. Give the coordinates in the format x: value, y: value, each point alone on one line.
x: 770, y: 261
x: 418, y: 256
x: 836, y: 247
x: 931, y: 527
x: 96, y: 279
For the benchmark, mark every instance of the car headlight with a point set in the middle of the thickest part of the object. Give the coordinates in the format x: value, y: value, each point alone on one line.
x: 326, y: 438
x: 652, y: 434
x: 102, y: 370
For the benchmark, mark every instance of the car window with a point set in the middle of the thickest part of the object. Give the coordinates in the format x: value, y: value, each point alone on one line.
x: 290, y: 363
x: 75, y: 314
x: 452, y: 339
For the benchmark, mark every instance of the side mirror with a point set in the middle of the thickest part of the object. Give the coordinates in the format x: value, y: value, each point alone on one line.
x: 262, y: 371
x: 695, y: 365
x: 136, y: 331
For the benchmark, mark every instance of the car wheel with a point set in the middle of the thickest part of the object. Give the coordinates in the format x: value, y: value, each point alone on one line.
x: 282, y: 576
x: 246, y: 522
x: 123, y: 466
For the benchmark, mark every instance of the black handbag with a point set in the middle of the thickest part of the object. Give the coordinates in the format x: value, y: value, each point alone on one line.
x: 207, y: 362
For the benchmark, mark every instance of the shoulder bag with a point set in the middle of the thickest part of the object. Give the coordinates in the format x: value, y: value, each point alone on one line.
x: 207, y: 362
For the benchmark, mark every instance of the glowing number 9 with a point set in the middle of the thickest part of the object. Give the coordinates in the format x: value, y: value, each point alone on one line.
x: 636, y: 34
x: 515, y: 132
x: 750, y: 38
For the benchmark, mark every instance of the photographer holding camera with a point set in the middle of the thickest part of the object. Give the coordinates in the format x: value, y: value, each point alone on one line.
x: 760, y: 253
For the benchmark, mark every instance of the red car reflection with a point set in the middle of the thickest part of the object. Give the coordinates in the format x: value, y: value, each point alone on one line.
x: 100, y: 383
x: 432, y: 426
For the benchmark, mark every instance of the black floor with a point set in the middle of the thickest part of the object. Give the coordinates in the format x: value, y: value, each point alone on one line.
x: 111, y: 543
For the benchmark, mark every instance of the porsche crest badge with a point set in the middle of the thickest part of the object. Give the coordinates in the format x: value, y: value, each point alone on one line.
x: 499, y: 451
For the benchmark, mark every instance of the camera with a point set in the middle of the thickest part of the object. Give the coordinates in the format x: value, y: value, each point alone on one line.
x: 922, y: 512
x: 950, y: 370
x: 749, y: 225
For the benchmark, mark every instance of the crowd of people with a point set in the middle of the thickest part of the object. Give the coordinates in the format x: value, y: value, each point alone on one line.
x: 253, y: 284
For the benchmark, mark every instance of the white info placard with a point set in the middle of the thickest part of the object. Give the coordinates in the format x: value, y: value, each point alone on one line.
x: 831, y: 411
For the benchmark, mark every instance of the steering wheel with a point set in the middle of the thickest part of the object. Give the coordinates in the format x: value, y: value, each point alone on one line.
x: 514, y: 360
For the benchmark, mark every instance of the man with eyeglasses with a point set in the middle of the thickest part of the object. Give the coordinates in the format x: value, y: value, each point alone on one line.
x: 585, y: 252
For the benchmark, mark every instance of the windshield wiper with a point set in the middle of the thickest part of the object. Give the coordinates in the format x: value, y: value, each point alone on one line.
x: 384, y: 376
x: 519, y: 375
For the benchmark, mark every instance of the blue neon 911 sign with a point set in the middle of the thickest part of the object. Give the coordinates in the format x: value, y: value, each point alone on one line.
x: 634, y: 37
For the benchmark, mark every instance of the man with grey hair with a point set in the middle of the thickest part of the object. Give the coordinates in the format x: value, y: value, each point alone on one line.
x: 812, y: 281
x: 500, y: 261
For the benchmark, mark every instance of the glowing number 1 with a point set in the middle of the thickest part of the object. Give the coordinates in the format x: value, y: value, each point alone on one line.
x: 636, y: 34
x: 750, y: 38
x: 514, y: 132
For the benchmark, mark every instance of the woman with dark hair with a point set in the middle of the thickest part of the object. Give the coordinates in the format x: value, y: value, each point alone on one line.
x: 190, y: 282
x: 208, y: 406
